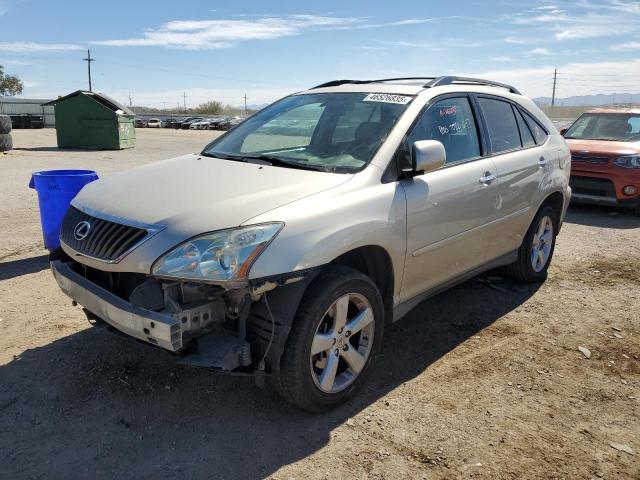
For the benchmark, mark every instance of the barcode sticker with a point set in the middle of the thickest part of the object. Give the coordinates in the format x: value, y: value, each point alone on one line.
x: 387, y: 98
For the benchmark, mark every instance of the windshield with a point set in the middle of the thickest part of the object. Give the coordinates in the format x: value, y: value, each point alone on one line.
x: 323, y: 131
x: 622, y: 127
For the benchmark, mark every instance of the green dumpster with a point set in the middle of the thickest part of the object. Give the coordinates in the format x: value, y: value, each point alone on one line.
x: 93, y: 121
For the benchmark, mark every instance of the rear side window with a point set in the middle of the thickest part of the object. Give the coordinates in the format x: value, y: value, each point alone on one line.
x: 539, y: 133
x: 525, y: 133
x: 451, y: 122
x: 501, y: 124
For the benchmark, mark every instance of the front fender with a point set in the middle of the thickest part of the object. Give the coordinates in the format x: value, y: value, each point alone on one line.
x: 320, y: 228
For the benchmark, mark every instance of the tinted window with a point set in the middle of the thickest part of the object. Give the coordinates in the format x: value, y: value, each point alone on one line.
x: 539, y: 133
x: 326, y: 131
x: 451, y: 122
x: 525, y: 133
x: 347, y: 125
x: 501, y: 124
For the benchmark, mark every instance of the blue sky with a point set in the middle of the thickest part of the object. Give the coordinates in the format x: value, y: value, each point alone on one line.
x: 155, y: 51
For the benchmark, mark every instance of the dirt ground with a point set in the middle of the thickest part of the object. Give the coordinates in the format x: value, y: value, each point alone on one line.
x: 483, y: 381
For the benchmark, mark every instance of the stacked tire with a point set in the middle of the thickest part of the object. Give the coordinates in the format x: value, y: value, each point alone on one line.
x: 6, y: 142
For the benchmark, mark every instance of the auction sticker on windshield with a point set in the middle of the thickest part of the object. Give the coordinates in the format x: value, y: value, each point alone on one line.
x: 387, y: 98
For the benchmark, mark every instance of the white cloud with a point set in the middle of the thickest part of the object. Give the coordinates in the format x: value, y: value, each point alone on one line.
x: 500, y: 58
x: 582, y: 20
x: 14, y: 63
x: 623, y: 47
x: 538, y: 51
x: 213, y: 34
x: 573, y: 78
x: 27, y: 47
x: 515, y: 41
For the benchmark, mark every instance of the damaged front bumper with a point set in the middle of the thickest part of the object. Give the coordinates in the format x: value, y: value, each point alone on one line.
x: 152, y: 327
x: 215, y: 348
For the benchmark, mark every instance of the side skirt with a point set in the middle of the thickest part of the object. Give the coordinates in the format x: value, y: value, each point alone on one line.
x: 405, y: 307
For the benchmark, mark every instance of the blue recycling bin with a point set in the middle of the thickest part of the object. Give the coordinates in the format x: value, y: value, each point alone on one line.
x: 56, y: 189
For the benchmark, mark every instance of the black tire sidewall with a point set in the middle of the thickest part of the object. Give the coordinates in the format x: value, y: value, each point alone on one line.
x: 6, y: 142
x: 328, y: 287
x: 5, y: 124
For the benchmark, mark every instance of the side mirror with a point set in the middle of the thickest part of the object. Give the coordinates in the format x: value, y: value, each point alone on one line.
x: 427, y: 155
x: 563, y: 131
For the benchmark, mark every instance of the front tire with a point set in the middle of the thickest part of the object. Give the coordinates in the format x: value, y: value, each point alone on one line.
x: 334, y: 340
x: 536, y: 251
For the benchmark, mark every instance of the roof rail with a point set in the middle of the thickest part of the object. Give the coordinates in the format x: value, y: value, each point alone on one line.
x: 449, y: 80
x: 433, y: 82
x: 335, y: 83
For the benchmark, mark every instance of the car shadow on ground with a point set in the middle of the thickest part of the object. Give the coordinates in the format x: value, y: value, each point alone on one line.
x: 24, y: 266
x: 95, y: 404
x: 602, y: 216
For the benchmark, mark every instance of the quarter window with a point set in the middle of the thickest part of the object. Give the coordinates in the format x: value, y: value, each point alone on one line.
x: 539, y: 133
x: 525, y: 133
x: 451, y: 122
x: 501, y: 124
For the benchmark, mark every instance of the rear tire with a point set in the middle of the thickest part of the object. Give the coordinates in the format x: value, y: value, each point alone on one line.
x: 5, y: 124
x: 6, y: 142
x: 536, y: 251
x: 335, y: 338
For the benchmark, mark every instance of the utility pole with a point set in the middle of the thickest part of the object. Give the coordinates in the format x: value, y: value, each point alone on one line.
x: 184, y: 101
x: 89, y: 60
x: 130, y: 101
x: 245, y: 103
x: 553, y: 94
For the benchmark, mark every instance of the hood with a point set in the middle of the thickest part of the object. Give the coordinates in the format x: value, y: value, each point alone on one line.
x: 193, y: 194
x: 603, y: 147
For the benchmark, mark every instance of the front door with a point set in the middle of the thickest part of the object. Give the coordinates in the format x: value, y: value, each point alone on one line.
x: 448, y: 210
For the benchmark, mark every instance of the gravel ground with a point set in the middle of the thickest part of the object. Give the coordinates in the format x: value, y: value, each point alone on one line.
x: 483, y: 381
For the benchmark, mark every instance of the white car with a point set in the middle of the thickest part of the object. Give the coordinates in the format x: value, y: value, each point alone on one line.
x: 201, y: 125
x: 285, y: 247
x: 154, y: 123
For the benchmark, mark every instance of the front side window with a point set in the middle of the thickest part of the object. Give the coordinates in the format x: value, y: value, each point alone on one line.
x: 501, y: 124
x: 606, y: 126
x: 337, y: 132
x: 451, y: 122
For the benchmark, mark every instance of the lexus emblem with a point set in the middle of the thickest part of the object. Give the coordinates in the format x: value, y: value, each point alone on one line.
x: 81, y: 230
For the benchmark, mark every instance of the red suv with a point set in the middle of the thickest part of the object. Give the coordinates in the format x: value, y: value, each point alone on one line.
x: 605, y: 154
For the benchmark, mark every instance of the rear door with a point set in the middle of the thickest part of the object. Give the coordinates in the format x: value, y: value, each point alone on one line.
x: 448, y: 210
x: 522, y: 167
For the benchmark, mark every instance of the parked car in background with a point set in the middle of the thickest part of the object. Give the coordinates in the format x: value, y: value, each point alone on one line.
x: 185, y: 124
x: 201, y: 124
x: 154, y: 123
x: 216, y: 122
x: 605, y: 157
x: 168, y: 123
x: 286, y: 255
x: 141, y: 123
x: 229, y: 123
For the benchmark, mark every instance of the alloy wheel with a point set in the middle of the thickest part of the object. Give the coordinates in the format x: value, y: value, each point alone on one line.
x: 342, y: 343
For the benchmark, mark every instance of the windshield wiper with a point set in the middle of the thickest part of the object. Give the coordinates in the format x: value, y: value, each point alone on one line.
x: 269, y: 160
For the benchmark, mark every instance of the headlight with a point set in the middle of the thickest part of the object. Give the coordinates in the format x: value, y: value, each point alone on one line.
x: 218, y: 256
x: 628, y: 161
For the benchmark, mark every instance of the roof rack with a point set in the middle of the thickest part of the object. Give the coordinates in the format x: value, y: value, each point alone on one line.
x: 433, y: 82
x: 449, y: 80
x: 335, y: 83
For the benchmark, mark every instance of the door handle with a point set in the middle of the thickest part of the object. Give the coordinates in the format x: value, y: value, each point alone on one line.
x: 542, y: 161
x: 487, y: 178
